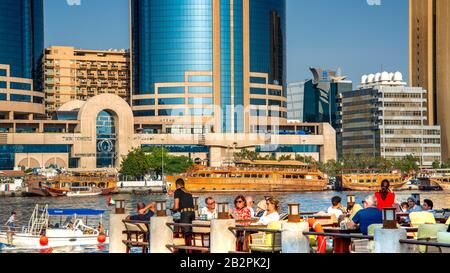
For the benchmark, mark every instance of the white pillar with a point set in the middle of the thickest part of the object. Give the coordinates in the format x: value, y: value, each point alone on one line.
x: 160, y: 234
x: 116, y: 227
x: 222, y: 239
x: 387, y: 240
x: 292, y: 238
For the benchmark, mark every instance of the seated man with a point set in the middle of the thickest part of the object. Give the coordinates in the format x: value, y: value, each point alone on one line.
x: 368, y: 216
x: 210, y: 211
x: 428, y: 206
x: 144, y: 212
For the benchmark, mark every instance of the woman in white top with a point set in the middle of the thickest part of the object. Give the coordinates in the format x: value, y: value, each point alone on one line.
x: 271, y: 214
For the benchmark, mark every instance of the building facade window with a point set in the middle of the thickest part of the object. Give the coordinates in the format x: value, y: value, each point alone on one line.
x: 106, y: 140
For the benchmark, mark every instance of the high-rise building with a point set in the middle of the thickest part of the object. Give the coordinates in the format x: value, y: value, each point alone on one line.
x: 429, y: 24
x: 208, y: 80
x: 386, y: 118
x: 319, y: 100
x: 295, y: 100
x: 221, y: 60
x: 78, y: 74
x: 22, y: 37
x: 21, y: 45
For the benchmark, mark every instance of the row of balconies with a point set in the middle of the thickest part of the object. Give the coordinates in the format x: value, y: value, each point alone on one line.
x: 88, y: 65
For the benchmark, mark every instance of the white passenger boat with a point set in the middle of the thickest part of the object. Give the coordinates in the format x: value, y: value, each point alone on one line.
x: 75, y: 233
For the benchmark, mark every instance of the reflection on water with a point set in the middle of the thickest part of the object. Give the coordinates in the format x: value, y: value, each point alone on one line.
x: 310, y: 202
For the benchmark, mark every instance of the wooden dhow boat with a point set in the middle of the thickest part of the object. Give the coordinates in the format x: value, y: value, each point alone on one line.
x: 253, y: 176
x: 442, y: 178
x: 370, y: 180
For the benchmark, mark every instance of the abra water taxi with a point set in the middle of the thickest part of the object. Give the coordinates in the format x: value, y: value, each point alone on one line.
x: 74, y: 232
x: 253, y: 176
x: 370, y: 180
x: 442, y: 178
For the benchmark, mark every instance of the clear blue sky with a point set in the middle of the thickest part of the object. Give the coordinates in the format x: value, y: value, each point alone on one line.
x: 350, y: 34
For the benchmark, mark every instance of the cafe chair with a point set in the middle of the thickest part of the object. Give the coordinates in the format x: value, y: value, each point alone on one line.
x: 138, y: 235
x: 201, y: 235
x: 267, y: 241
x: 429, y: 233
x: 444, y: 237
x: 421, y: 217
x: 365, y: 245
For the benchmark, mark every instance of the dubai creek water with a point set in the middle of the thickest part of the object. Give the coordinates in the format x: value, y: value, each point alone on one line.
x: 310, y: 202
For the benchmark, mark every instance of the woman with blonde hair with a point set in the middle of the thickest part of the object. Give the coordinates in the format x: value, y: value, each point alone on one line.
x: 271, y: 214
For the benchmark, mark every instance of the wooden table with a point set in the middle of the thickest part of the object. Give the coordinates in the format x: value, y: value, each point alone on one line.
x: 341, y: 245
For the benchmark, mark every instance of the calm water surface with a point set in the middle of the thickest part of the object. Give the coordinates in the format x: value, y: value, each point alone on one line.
x: 310, y: 202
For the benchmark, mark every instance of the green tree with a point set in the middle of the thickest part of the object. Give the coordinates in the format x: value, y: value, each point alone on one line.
x: 161, y: 160
x: 245, y: 154
x: 436, y: 164
x: 177, y: 164
x: 135, y: 164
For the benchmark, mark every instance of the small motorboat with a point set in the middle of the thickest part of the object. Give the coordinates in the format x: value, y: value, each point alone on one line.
x: 84, y: 192
x: 39, y: 233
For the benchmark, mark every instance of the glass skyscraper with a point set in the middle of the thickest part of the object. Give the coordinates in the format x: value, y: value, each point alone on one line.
x: 203, y: 57
x: 22, y: 37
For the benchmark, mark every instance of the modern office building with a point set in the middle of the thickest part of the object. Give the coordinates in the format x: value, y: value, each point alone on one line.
x: 99, y: 132
x: 208, y: 80
x: 219, y: 62
x: 295, y: 100
x: 319, y: 99
x: 386, y: 118
x: 429, y: 24
x: 78, y: 74
x: 22, y: 38
x: 21, y: 44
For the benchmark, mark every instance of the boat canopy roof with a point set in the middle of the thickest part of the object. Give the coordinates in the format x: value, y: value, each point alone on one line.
x: 80, y: 212
x: 286, y: 163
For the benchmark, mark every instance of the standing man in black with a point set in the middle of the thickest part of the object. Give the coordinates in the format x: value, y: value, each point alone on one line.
x: 184, y: 203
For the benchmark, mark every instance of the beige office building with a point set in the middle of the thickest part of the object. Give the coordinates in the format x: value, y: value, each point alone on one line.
x: 76, y: 74
x: 430, y: 60
x: 386, y: 118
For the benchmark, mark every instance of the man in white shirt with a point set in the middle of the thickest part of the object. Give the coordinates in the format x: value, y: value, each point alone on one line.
x: 336, y: 208
x: 210, y: 210
x: 250, y: 204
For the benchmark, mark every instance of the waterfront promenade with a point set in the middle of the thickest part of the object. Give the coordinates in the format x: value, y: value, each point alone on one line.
x: 310, y: 202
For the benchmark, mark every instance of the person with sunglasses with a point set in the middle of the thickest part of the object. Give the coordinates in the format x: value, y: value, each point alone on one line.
x: 210, y: 211
x: 241, y: 212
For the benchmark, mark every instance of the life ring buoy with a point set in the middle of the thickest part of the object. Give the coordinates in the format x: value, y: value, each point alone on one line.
x: 321, y: 240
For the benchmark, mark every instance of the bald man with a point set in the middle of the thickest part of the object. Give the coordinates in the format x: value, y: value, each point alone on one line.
x: 250, y: 204
x: 368, y: 216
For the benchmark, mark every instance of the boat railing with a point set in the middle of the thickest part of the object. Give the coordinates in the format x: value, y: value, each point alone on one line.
x: 79, y: 225
x: 37, y: 221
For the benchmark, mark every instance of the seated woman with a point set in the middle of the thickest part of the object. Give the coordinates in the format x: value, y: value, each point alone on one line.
x: 241, y: 212
x: 271, y: 214
x: 261, y: 208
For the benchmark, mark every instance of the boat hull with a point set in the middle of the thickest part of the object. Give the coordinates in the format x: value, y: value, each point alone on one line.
x: 261, y: 186
x: 370, y: 182
x: 353, y: 187
x: 76, y: 194
x: 109, y: 191
x: 55, y: 192
x: 21, y: 240
x: 444, y: 185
